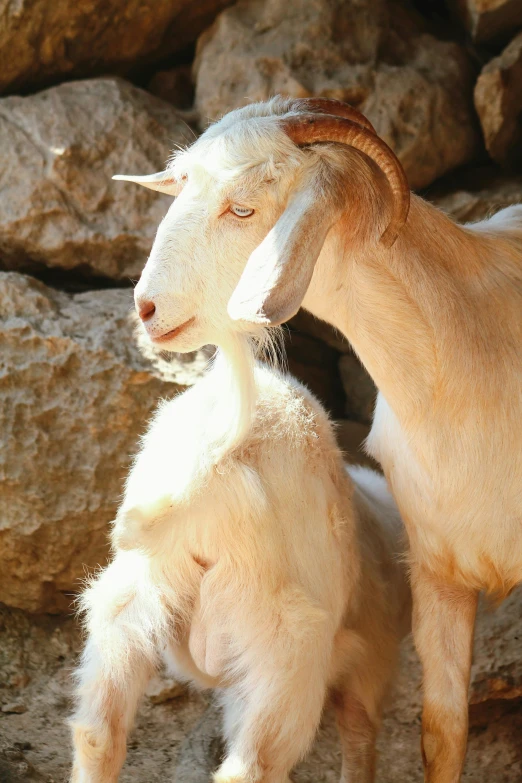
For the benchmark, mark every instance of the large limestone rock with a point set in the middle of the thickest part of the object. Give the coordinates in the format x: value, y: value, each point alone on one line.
x: 477, y: 194
x: 42, y: 40
x: 58, y: 152
x: 75, y: 393
x: 498, y: 100
x: 489, y: 20
x: 375, y: 55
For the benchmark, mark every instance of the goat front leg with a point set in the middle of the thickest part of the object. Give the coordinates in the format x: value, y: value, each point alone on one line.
x: 126, y: 623
x: 443, y: 627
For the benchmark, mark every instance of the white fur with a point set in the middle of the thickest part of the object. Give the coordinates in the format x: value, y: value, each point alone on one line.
x: 248, y: 560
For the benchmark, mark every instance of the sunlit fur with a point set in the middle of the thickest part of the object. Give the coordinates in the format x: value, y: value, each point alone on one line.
x: 248, y: 557
x: 436, y: 320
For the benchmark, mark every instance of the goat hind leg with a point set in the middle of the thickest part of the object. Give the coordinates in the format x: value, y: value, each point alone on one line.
x: 358, y: 735
x: 272, y: 723
x: 126, y: 622
x: 104, y: 715
x: 270, y: 740
x: 443, y: 626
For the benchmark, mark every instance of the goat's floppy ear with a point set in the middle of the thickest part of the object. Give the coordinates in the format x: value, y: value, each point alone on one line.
x: 162, y: 182
x: 278, y: 272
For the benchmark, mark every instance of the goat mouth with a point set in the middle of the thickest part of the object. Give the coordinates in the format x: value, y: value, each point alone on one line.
x: 162, y: 338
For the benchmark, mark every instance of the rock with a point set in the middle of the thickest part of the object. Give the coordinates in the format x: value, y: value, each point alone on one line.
x: 174, y: 86
x: 41, y: 41
x: 497, y: 666
x: 359, y: 389
x: 203, y: 748
x: 489, y: 20
x: 350, y: 437
x: 75, y: 393
x: 476, y: 194
x: 19, y: 771
x: 498, y: 100
x: 308, y: 324
x: 162, y: 689
x: 316, y: 365
x: 14, y: 708
x: 376, y: 55
x: 58, y: 152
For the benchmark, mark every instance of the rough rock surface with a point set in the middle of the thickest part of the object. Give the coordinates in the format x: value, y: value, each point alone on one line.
x: 489, y: 20
x: 359, y: 389
x: 350, y: 437
x: 179, y: 741
x: 476, y: 194
x: 174, y: 86
x: 75, y: 393
x: 315, y: 364
x: 58, y: 152
x: 414, y: 88
x: 42, y: 40
x: 498, y: 100
x: 320, y: 330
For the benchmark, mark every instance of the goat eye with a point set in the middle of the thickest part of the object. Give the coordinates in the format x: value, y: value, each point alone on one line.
x: 241, y: 212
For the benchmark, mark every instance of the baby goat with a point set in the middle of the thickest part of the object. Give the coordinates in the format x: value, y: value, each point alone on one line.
x: 252, y: 560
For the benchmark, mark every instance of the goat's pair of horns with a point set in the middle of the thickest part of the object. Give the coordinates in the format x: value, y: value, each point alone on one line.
x: 339, y: 122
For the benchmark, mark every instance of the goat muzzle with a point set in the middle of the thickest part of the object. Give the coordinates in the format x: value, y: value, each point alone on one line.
x: 145, y: 308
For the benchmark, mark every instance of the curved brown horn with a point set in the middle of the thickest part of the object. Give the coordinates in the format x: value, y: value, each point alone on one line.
x: 336, y: 109
x: 311, y: 128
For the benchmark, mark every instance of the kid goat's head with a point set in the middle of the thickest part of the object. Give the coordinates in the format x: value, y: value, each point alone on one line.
x: 256, y: 196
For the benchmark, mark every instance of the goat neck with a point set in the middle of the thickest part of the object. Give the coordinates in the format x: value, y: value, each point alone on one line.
x: 424, y: 316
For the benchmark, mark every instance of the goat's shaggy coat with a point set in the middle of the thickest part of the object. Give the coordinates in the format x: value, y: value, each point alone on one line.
x: 255, y: 562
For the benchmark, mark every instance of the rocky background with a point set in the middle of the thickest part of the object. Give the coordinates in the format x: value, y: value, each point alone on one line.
x: 91, y: 88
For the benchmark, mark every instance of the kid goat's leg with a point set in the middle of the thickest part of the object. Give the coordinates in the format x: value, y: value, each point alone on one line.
x: 272, y: 717
x: 106, y: 706
x: 358, y: 698
x: 358, y: 735
x: 125, y: 622
x: 443, y: 625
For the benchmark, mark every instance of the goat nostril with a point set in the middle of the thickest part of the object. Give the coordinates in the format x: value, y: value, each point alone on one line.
x: 146, y: 310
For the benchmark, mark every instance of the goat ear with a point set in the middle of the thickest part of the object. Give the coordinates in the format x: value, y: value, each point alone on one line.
x: 278, y: 272
x: 162, y: 182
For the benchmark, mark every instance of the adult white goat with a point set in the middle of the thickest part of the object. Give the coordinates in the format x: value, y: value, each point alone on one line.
x: 270, y: 218
x: 247, y: 557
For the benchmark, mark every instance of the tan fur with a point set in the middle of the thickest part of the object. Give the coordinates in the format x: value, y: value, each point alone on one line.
x: 438, y: 323
x: 272, y: 576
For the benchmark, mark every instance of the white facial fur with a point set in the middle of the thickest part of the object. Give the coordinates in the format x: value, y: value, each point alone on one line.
x: 202, y: 247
